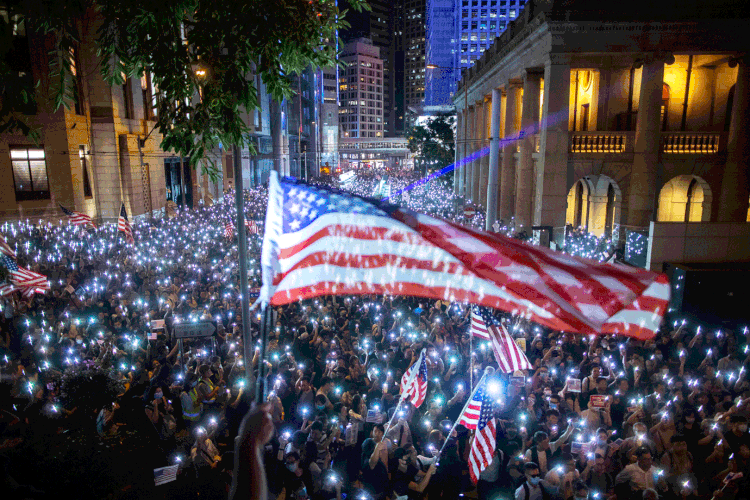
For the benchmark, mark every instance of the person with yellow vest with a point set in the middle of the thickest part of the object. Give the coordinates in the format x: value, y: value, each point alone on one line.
x: 192, y: 406
x: 205, y: 388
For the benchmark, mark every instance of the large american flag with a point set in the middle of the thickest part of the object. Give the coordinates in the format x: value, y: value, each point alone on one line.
x: 5, y: 248
x: 319, y: 241
x: 479, y: 414
x: 124, y: 225
x: 508, y: 355
x: 77, y: 218
x: 414, y: 385
x: 478, y: 326
x: 229, y: 230
x: 29, y: 282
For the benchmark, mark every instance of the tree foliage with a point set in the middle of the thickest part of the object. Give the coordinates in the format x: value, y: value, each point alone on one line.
x: 433, y: 143
x: 190, y: 48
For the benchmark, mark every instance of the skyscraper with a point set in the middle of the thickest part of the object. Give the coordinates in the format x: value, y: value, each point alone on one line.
x: 414, y: 17
x: 458, y: 32
x: 361, y: 90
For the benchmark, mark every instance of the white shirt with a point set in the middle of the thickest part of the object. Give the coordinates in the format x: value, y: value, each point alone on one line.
x: 637, y: 477
x: 535, y: 493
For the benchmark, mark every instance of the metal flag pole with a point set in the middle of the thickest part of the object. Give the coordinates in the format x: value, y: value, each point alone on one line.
x: 409, y: 381
x: 239, y: 199
x: 261, y: 389
x: 471, y: 359
x: 487, y: 371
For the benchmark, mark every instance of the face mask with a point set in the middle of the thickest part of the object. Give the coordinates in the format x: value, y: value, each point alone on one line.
x: 292, y: 467
x: 689, y: 420
x: 158, y: 395
x: 79, y: 341
x: 320, y: 407
x: 553, y: 406
x: 743, y: 428
x: 534, y: 481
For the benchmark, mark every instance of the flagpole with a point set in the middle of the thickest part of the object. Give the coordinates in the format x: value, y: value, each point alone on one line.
x: 471, y: 359
x: 409, y: 382
x: 487, y: 371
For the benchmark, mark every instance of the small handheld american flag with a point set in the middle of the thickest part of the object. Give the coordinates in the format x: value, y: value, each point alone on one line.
x: 252, y: 227
x: 229, y: 230
x: 483, y: 446
x: 6, y: 249
x: 77, y: 218
x: 26, y: 280
x: 124, y: 225
x: 414, y: 385
x: 508, y: 355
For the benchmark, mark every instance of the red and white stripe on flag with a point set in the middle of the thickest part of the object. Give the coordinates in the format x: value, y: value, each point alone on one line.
x: 318, y: 242
x: 6, y: 249
x: 229, y: 230
x: 124, y: 225
x: 414, y: 385
x: 508, y: 355
x: 252, y: 226
x: 479, y: 414
x: 478, y: 327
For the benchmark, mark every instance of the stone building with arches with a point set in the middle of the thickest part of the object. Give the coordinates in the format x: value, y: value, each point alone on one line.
x: 609, y: 117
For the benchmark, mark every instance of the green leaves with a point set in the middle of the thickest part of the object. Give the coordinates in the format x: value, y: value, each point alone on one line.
x: 169, y: 39
x: 433, y: 143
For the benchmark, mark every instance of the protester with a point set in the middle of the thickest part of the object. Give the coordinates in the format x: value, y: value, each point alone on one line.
x: 600, y: 415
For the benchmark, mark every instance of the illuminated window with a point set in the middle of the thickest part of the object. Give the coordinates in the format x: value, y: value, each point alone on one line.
x: 29, y: 173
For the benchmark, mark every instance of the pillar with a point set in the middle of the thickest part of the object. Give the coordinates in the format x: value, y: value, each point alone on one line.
x: 507, y: 172
x: 470, y: 140
x: 553, y: 179
x: 457, y: 170
x: 484, y: 160
x: 733, y: 201
x: 525, y: 171
x: 646, y: 176
x: 494, y: 157
x: 478, y: 144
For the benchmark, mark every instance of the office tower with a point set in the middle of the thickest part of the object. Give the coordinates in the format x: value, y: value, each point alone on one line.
x: 361, y: 90
x: 458, y: 32
x: 414, y: 17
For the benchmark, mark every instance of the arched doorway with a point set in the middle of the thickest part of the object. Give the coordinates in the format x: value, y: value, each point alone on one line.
x: 685, y: 198
x: 595, y: 202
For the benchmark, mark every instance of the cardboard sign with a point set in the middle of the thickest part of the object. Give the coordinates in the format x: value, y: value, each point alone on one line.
x: 157, y: 324
x: 521, y: 343
x: 518, y: 381
x: 574, y: 385
x: 598, y: 401
x: 70, y: 289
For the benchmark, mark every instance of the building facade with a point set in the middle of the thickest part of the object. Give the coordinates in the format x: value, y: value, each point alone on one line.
x: 389, y: 153
x: 414, y: 52
x: 361, y: 91
x: 458, y: 32
x: 609, y: 119
x: 101, y: 152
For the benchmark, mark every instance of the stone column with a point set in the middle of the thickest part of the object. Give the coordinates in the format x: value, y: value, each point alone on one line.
x: 529, y: 127
x: 553, y: 178
x: 733, y: 201
x: 507, y: 172
x: 646, y: 176
x: 494, y: 156
x: 457, y: 170
x: 484, y: 160
x: 478, y: 142
x: 471, y: 147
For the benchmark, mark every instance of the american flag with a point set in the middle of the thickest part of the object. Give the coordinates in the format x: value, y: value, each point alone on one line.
x: 414, y: 385
x: 24, y: 279
x: 479, y: 414
x: 229, y: 230
x: 77, y: 218
x: 6, y: 249
x: 165, y: 475
x: 7, y: 289
x: 318, y: 241
x: 478, y: 326
x: 508, y: 355
x: 252, y: 226
x: 124, y: 225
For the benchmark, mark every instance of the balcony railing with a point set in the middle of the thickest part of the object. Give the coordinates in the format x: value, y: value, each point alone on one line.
x: 598, y: 142
x: 690, y: 143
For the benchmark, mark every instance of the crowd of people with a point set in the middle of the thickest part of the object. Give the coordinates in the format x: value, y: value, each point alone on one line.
x: 596, y: 417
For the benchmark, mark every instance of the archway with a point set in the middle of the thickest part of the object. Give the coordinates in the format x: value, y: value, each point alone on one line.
x: 595, y: 202
x: 685, y: 198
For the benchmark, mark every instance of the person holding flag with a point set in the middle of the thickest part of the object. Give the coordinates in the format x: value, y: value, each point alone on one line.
x: 123, y: 224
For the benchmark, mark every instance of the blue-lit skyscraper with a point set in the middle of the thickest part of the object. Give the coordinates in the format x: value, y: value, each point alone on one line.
x: 458, y: 32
